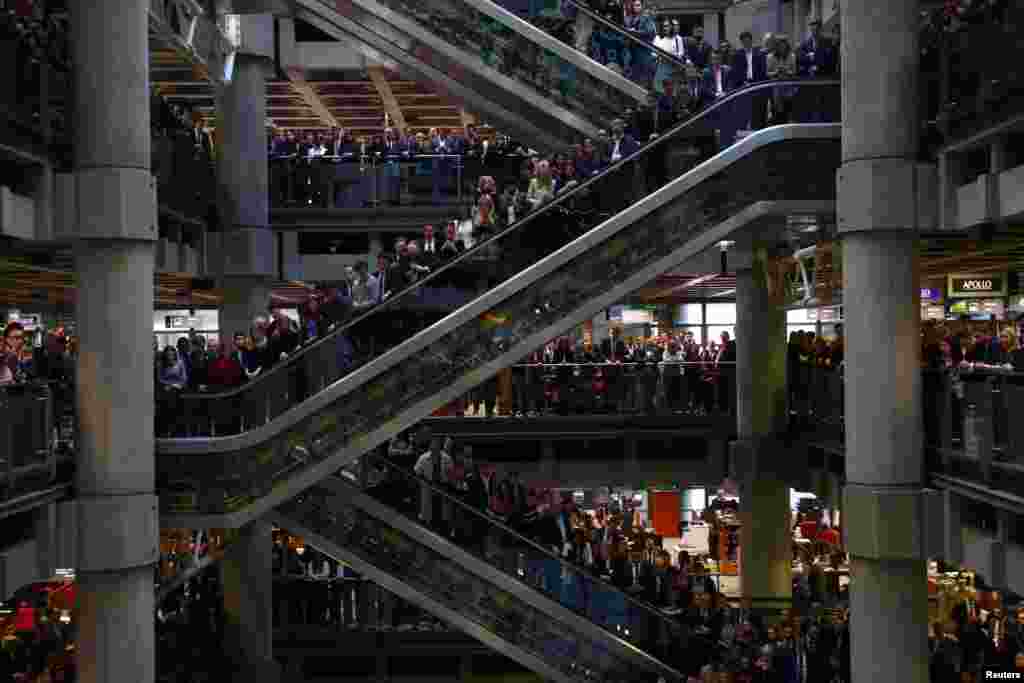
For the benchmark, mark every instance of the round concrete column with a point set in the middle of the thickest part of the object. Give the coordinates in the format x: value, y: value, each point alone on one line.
x: 877, y: 202
x: 248, y: 245
x: 247, y: 580
x: 114, y: 255
x: 758, y: 460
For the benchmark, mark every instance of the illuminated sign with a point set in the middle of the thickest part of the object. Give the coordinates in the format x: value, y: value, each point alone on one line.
x: 964, y: 286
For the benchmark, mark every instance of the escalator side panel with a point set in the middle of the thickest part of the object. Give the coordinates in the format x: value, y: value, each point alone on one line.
x: 414, y: 572
x: 344, y: 29
x: 570, y: 118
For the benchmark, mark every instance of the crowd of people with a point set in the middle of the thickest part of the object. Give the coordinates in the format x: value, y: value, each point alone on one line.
x: 952, y: 346
x: 671, y: 373
x: 548, y: 541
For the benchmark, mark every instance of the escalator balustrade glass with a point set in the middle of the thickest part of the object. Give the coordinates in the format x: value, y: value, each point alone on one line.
x: 577, y: 652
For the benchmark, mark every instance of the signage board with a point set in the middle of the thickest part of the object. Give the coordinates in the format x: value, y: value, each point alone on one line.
x: 931, y: 294
x: 964, y: 286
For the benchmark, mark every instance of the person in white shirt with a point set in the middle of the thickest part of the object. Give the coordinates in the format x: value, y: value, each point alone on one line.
x: 429, y: 245
x: 663, y: 41
x: 433, y: 467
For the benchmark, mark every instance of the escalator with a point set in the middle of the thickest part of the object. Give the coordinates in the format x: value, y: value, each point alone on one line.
x: 496, y: 585
x: 235, y: 455
x: 528, y: 81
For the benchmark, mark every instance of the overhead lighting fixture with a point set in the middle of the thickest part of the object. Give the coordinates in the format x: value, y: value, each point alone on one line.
x: 726, y: 292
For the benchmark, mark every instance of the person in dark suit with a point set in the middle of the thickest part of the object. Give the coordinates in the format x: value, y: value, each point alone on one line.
x: 622, y: 145
x: 697, y: 50
x: 814, y: 54
x: 750, y: 65
x: 201, y: 138
x: 815, y: 58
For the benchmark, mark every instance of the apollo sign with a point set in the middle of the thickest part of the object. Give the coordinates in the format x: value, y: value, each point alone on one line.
x: 977, y: 285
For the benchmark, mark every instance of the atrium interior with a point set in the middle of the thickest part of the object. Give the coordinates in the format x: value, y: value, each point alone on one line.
x: 577, y: 341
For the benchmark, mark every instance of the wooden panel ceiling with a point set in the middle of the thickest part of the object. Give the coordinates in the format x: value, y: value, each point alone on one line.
x: 354, y: 104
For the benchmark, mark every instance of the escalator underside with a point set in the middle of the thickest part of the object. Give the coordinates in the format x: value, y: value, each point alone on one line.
x: 507, y: 77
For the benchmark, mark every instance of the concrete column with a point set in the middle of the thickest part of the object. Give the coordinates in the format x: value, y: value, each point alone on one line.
x: 800, y: 17
x: 998, y: 578
x: 247, y: 245
x: 290, y: 257
x: 765, y: 539
x: 45, y: 524
x: 711, y: 36
x: 877, y: 199
x: 548, y: 461
x: 952, y: 508
x: 115, y: 229
x: 246, y: 575
x: 244, y: 297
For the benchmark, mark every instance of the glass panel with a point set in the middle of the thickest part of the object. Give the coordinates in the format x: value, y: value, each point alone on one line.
x: 690, y: 314
x: 328, y: 511
x: 800, y: 316
x: 228, y: 480
x: 721, y: 314
x: 715, y: 333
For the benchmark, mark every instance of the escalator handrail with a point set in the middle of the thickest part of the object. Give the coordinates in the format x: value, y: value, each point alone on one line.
x: 468, y: 509
x: 480, y: 247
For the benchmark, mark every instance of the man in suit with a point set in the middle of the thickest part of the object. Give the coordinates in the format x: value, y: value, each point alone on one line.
x: 750, y: 65
x: 622, y: 145
x: 814, y: 54
x: 431, y: 252
x: 391, y: 150
x: 697, y: 50
x: 379, y: 282
x: 201, y: 138
x: 814, y: 59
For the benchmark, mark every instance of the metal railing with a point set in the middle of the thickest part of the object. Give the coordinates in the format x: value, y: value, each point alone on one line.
x: 576, y: 587
x: 29, y: 452
x: 703, y: 388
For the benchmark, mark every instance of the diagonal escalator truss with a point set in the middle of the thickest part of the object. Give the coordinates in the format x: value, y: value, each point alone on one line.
x: 516, y: 75
x: 366, y: 381
x: 603, y: 637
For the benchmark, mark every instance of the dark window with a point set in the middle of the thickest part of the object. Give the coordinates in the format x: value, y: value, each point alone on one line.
x: 333, y: 243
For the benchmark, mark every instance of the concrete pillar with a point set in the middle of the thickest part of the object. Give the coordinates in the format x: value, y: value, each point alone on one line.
x: 244, y: 297
x: 765, y: 540
x: 711, y: 36
x: 877, y: 199
x: 998, y: 578
x: 952, y: 508
x: 45, y: 524
x: 247, y: 245
x: 114, y: 254
x: 548, y: 461
x: 246, y: 575
x: 290, y: 257
x: 800, y: 18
